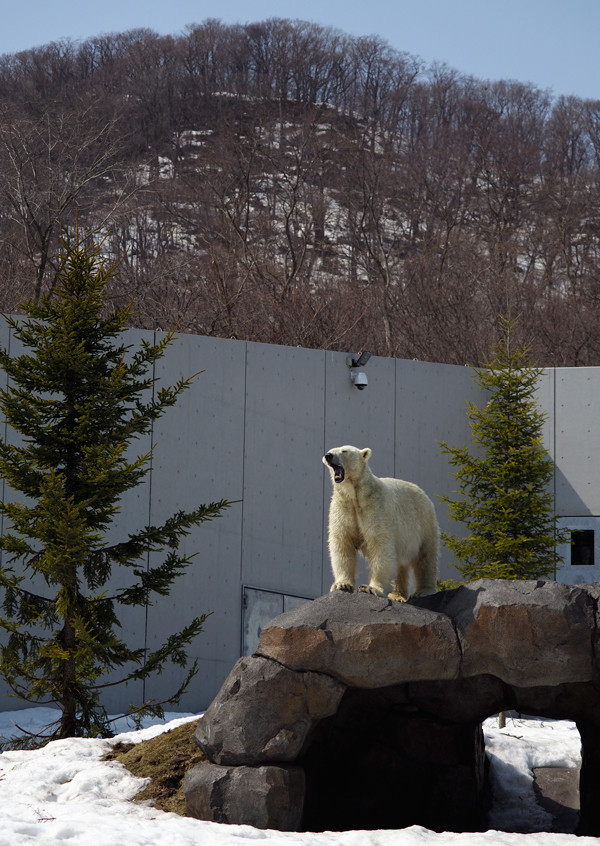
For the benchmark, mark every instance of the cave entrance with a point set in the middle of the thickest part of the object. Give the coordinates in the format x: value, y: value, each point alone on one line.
x: 382, y: 762
x: 378, y: 763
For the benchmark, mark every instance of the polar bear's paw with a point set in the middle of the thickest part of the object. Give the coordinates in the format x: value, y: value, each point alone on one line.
x: 371, y: 589
x: 396, y: 597
x: 346, y: 586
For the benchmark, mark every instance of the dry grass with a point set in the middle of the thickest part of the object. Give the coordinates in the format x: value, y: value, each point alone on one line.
x: 164, y: 760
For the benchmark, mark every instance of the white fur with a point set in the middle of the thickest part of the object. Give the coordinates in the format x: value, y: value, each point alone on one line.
x: 392, y: 524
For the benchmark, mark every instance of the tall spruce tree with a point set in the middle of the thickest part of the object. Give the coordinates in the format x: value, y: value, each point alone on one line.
x: 505, y: 500
x: 79, y: 399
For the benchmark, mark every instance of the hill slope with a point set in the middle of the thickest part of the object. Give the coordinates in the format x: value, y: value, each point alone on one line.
x: 287, y: 183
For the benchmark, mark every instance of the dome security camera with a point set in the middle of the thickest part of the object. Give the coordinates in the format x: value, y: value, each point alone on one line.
x: 359, y: 379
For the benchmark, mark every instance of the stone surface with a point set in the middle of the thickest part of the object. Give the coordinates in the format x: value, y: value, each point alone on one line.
x: 363, y: 640
x: 376, y: 701
x: 265, y: 797
x: 263, y: 713
x: 557, y: 791
x: 524, y: 632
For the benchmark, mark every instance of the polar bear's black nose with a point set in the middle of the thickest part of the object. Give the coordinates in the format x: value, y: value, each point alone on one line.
x: 328, y: 456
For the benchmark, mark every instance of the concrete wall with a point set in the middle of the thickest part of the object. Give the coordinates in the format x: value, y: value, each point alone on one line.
x: 253, y: 428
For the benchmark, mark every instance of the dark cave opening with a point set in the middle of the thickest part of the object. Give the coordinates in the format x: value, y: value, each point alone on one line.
x: 415, y: 755
x: 380, y: 762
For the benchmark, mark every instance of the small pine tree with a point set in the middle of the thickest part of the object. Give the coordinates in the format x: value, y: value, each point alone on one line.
x: 79, y: 398
x: 505, y: 503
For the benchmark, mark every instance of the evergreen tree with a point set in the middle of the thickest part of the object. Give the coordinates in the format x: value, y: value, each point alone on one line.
x: 506, y: 503
x: 79, y: 398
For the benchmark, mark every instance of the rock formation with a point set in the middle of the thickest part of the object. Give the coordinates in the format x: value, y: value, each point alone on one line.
x: 359, y: 712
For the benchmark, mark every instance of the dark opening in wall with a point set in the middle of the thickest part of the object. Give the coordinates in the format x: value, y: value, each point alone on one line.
x: 582, y: 548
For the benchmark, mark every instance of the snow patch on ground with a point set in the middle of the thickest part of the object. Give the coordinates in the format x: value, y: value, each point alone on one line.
x: 65, y: 794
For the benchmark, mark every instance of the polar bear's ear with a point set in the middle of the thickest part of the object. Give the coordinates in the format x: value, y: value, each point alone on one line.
x: 366, y: 454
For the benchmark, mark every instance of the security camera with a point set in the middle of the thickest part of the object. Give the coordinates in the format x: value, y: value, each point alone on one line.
x: 360, y: 360
x: 359, y: 379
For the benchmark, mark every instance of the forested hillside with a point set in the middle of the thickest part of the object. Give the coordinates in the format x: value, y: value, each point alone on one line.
x: 287, y: 183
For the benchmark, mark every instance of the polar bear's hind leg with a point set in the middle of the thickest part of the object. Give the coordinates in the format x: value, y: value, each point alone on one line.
x: 425, y: 568
x: 381, y: 567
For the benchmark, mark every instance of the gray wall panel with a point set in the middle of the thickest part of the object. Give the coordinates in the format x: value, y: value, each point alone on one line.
x: 133, y: 515
x: 199, y: 459
x: 577, y: 439
x: 431, y: 406
x: 545, y: 397
x: 199, y: 442
x: 281, y: 545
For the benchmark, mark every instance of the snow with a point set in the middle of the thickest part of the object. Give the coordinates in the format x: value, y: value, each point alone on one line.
x: 64, y: 793
x: 513, y: 753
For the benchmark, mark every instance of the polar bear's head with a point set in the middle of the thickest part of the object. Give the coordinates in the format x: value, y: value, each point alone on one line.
x: 346, y: 462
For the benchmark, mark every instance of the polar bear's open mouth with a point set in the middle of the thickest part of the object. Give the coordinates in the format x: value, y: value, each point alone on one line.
x: 336, y: 466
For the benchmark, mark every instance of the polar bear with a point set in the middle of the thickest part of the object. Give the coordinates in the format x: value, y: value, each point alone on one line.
x: 392, y: 523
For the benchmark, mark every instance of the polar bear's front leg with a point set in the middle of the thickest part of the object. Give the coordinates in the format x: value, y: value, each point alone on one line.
x: 342, y: 586
x: 343, y: 563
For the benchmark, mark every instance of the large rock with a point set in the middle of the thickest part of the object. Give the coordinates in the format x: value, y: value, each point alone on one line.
x: 376, y: 701
x: 523, y: 632
x: 264, y: 712
x: 265, y: 797
x: 371, y: 642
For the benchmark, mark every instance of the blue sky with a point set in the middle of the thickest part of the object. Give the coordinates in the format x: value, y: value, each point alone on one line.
x: 552, y: 44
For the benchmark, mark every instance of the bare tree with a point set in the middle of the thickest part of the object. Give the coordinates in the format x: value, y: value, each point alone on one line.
x: 52, y: 166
